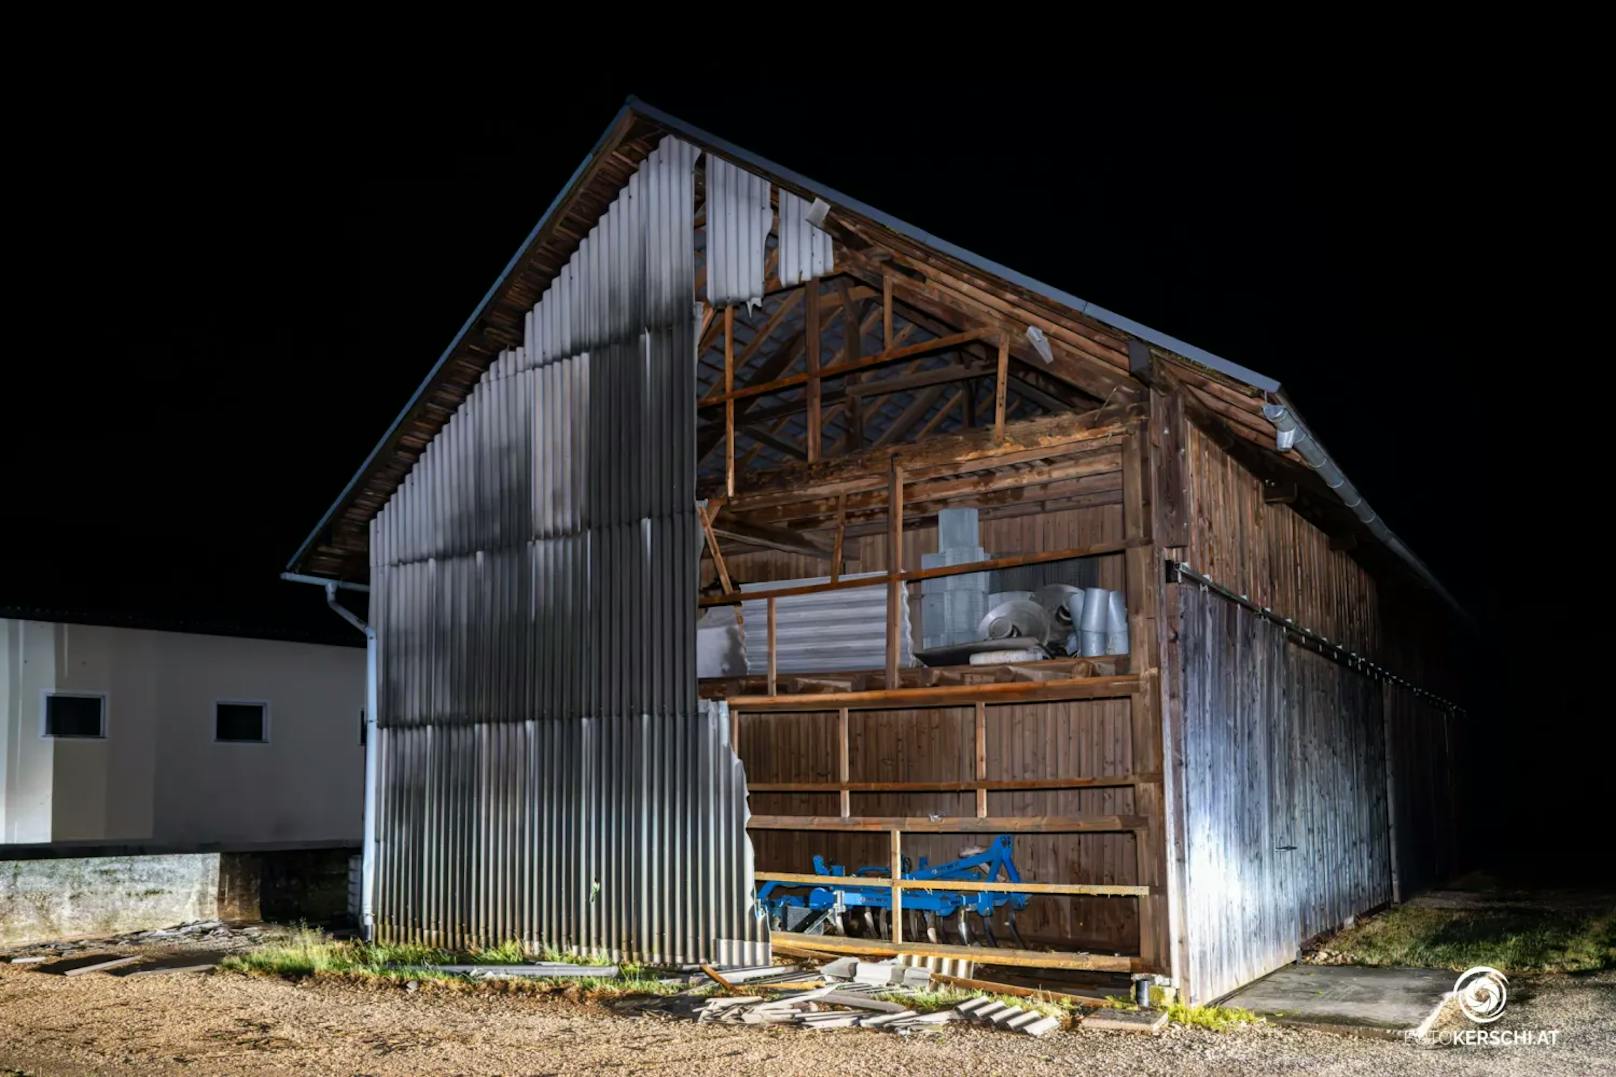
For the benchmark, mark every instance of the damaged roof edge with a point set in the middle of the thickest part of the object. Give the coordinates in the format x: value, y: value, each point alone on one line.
x: 633, y: 105
x: 839, y: 200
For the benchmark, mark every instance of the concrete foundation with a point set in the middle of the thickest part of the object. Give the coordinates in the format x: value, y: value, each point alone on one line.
x: 44, y: 898
x: 1347, y: 998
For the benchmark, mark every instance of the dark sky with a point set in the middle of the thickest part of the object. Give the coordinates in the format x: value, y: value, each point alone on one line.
x: 228, y: 305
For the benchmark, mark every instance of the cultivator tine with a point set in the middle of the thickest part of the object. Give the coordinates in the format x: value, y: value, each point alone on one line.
x: 964, y: 929
x: 1016, y: 931
x: 987, y: 929
x: 870, y: 931
x: 931, y: 927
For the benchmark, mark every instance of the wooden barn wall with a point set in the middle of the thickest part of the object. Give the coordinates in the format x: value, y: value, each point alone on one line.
x: 1422, y: 749
x: 1023, y: 741
x: 1271, y: 554
x: 1284, y: 794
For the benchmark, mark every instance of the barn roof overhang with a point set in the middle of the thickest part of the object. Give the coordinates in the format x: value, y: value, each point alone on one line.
x: 1105, y: 355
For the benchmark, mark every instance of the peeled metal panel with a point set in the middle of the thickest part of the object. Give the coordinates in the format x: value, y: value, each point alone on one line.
x: 545, y: 770
x: 738, y: 222
x: 806, y: 252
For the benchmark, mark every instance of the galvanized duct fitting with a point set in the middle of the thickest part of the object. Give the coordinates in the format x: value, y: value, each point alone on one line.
x: 1292, y: 434
x: 806, y: 251
x: 545, y: 770
x: 738, y: 223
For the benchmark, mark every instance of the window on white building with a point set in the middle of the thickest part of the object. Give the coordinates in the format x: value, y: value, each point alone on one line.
x: 241, y: 721
x: 75, y: 714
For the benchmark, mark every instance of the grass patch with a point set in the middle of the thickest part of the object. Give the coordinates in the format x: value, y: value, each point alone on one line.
x: 1515, y: 939
x: 948, y: 997
x: 1214, y: 1018
x: 309, y: 953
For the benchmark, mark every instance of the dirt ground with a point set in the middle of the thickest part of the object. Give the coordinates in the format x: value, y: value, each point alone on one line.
x: 227, y: 1023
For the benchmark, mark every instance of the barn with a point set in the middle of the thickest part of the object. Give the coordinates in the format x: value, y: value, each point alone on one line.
x: 746, y: 536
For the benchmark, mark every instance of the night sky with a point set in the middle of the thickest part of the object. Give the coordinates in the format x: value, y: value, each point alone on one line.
x: 226, y: 309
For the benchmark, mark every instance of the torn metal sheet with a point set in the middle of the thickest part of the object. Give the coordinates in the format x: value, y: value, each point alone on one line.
x: 738, y: 224
x: 806, y: 251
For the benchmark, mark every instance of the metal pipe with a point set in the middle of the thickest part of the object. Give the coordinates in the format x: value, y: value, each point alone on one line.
x: 1292, y: 433
x: 367, y: 855
x: 321, y: 581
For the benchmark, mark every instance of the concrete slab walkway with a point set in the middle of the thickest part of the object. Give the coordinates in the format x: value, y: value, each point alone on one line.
x: 1348, y: 998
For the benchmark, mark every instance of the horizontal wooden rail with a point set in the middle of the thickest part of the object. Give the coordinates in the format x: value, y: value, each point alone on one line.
x: 730, y: 598
x: 973, y: 886
x: 922, y: 824
x: 987, y: 955
x: 891, y: 355
x: 961, y: 785
x: 1117, y: 686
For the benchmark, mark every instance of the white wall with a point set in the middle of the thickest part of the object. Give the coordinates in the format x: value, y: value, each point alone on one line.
x: 159, y: 775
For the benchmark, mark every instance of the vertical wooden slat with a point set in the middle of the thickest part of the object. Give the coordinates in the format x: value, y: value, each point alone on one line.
x: 844, y: 798
x: 897, y: 892
x: 771, y: 603
x: 981, y: 759
x: 841, y: 534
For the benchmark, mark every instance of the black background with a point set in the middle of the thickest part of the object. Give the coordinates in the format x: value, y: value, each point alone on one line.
x: 224, y: 303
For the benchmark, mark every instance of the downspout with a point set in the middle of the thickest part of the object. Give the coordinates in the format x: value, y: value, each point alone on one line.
x: 367, y: 856
x: 1291, y: 433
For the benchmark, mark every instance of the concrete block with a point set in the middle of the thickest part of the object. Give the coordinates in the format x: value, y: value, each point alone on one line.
x: 1041, y: 1027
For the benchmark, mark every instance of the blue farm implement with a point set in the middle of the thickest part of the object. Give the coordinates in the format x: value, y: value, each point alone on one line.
x: 824, y: 907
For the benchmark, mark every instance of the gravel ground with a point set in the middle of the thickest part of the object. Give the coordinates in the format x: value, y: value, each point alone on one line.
x: 223, y: 1023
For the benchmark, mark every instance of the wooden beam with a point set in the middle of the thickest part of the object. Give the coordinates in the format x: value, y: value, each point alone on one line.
x: 771, y: 605
x: 988, y: 955
x: 844, y: 796
x: 895, y: 836
x: 853, y: 351
x: 1116, y: 686
x: 841, y: 534
x: 981, y: 729
x: 954, y: 785
x: 908, y: 351
x: 811, y: 332
x: 993, y: 564
x: 909, y: 417
x: 729, y: 402
x: 1000, y: 386
x: 975, y: 886
x: 783, y: 539
x: 1029, y: 441
x: 712, y: 548
x: 964, y: 824
x: 886, y: 310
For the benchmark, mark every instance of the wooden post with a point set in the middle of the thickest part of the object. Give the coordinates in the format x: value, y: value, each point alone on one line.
x: 897, y: 891
x: 894, y: 567
x: 729, y: 402
x: 811, y: 334
x: 841, y: 533
x: 1144, y: 575
x: 886, y: 311
x: 712, y: 547
x: 852, y: 351
x: 771, y: 645
x: 735, y: 731
x: 1001, y: 386
x: 981, y: 759
x: 843, y: 774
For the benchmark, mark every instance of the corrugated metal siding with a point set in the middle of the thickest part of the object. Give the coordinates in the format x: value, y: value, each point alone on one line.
x: 1281, y: 747
x: 546, y: 773
x: 806, y: 252
x: 738, y: 223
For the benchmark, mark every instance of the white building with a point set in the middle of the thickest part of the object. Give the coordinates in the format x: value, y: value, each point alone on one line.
x: 177, y: 739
